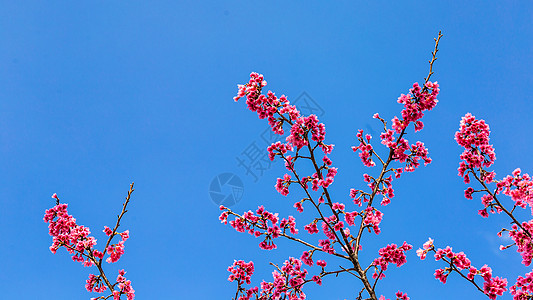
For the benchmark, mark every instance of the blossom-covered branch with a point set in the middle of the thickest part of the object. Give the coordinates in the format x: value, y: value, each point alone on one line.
x: 77, y: 241
x: 492, y: 286
x: 479, y: 154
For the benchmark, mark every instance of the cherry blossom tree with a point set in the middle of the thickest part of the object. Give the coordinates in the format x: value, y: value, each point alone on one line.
x: 341, y: 226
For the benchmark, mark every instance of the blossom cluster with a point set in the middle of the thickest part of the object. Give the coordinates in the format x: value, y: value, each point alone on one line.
x: 473, y: 135
x: 390, y: 254
x: 415, y: 103
x: 65, y: 232
x: 279, y: 111
x: 124, y: 287
x: 519, y: 187
x: 241, y: 272
x: 287, y: 281
x: 95, y: 284
x: 373, y: 218
x: 366, y: 149
x: 523, y: 288
x: 262, y: 222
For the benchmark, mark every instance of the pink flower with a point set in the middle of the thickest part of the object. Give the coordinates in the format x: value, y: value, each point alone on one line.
x: 306, y: 258
x: 440, y: 275
x: 468, y: 193
x: 338, y: 206
x: 425, y: 248
x: 350, y: 217
x: 421, y: 253
x: 326, y: 246
x: 115, y: 252
x: 428, y: 245
x: 108, y: 231
x: 311, y: 228
x: 125, y: 235
x: 317, y: 279
x: 401, y: 296
x: 299, y: 207
x: 321, y: 263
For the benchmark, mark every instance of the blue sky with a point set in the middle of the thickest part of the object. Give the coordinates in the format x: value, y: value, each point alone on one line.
x: 97, y: 95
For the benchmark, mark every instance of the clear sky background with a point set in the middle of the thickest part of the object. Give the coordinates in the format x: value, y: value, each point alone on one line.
x: 97, y: 95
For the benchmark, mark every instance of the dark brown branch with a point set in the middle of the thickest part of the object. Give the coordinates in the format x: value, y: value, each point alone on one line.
x: 119, y: 217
